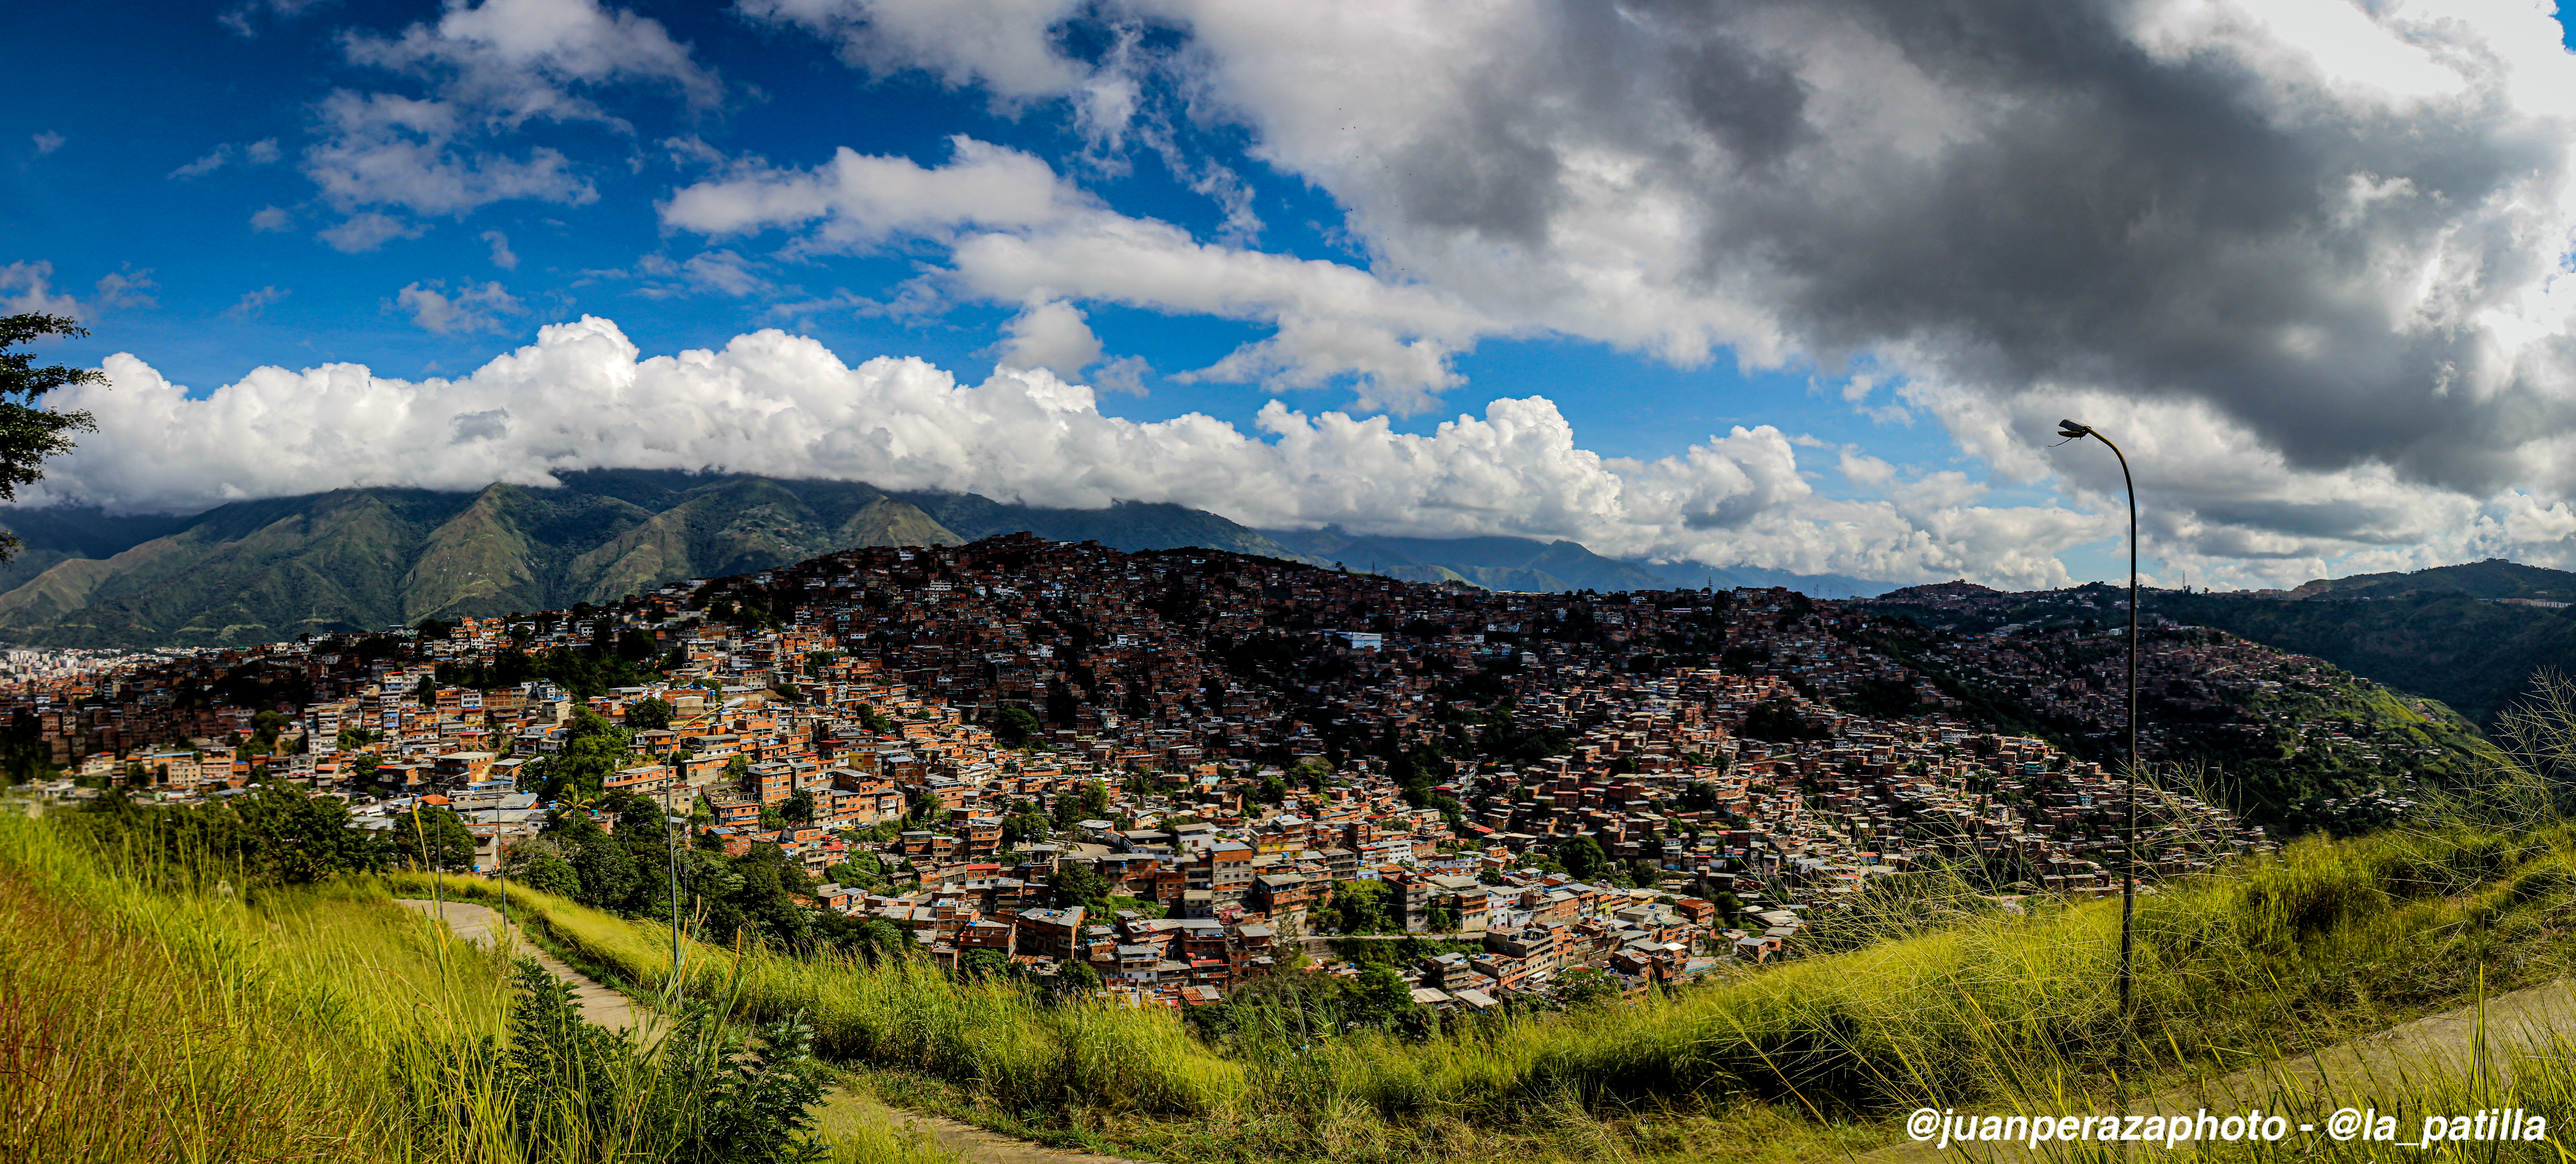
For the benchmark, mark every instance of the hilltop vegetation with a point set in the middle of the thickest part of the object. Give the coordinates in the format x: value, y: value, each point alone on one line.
x: 2470, y: 635
x: 2479, y: 656
x: 2492, y: 578
x: 2292, y: 741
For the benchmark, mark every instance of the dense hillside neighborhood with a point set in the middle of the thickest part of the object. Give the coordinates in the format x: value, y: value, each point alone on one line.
x: 1172, y: 772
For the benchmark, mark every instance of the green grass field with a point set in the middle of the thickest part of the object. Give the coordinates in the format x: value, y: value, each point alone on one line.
x: 157, y: 1014
x: 2322, y: 942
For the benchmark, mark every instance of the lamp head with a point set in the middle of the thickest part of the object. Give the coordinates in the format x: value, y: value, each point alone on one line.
x: 2074, y: 430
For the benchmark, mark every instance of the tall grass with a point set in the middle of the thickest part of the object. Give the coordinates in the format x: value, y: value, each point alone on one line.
x: 1017, y: 1049
x: 2321, y: 941
x: 152, y: 1011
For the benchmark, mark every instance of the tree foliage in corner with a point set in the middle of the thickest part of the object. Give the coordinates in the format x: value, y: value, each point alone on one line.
x: 29, y: 434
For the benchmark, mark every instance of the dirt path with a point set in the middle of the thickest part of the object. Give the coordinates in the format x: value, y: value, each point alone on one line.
x: 841, y: 1108
x: 2371, y: 1071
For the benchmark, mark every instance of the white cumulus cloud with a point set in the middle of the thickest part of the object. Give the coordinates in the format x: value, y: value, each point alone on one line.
x: 27, y: 287
x: 1018, y: 233
x: 1050, y: 334
x: 582, y: 396
x: 492, y: 69
x: 470, y: 309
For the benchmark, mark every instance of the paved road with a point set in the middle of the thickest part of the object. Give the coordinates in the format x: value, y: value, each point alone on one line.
x: 840, y: 1109
x: 2366, y: 1072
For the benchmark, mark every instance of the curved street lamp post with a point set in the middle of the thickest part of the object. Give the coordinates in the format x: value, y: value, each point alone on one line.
x: 2074, y: 431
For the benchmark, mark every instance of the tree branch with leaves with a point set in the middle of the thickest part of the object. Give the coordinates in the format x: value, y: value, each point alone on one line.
x: 30, y: 434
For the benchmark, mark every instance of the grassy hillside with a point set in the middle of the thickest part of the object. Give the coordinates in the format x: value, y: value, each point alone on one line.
x: 2325, y: 941
x: 157, y: 1013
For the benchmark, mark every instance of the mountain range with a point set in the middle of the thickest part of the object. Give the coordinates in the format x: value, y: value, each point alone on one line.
x: 364, y: 558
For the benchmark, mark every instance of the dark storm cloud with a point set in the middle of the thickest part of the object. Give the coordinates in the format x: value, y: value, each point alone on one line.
x: 2082, y: 212
x: 2156, y: 227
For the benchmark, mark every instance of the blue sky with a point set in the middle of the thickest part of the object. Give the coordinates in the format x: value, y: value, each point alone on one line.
x: 218, y: 188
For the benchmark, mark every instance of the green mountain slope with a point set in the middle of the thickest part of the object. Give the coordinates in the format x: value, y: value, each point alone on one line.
x: 366, y: 558
x: 1125, y: 525
x: 2469, y: 635
x: 2480, y: 657
x: 2493, y: 578
x: 2286, y: 737
x: 258, y: 571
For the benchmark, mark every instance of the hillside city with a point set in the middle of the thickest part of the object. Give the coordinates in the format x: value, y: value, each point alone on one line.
x: 1187, y: 769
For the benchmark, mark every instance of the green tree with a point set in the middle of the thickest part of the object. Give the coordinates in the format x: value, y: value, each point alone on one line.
x: 1359, y: 907
x: 540, y: 866
x: 1777, y: 721
x: 764, y: 900
x: 862, y: 871
x: 1077, y: 884
x: 594, y: 749
x: 799, y: 806
x: 649, y: 715
x: 264, y: 729
x: 1584, y: 986
x: 981, y: 963
x: 1014, y: 726
x: 1379, y: 997
x: 1089, y: 802
x: 1022, y: 827
x: 301, y: 838
x: 24, y: 755
x: 29, y: 434
x: 1582, y: 858
x: 1077, y: 977
x: 433, y: 837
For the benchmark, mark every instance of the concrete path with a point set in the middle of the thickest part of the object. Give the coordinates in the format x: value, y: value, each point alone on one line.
x: 479, y: 924
x: 2371, y: 1071
x: 841, y: 1108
